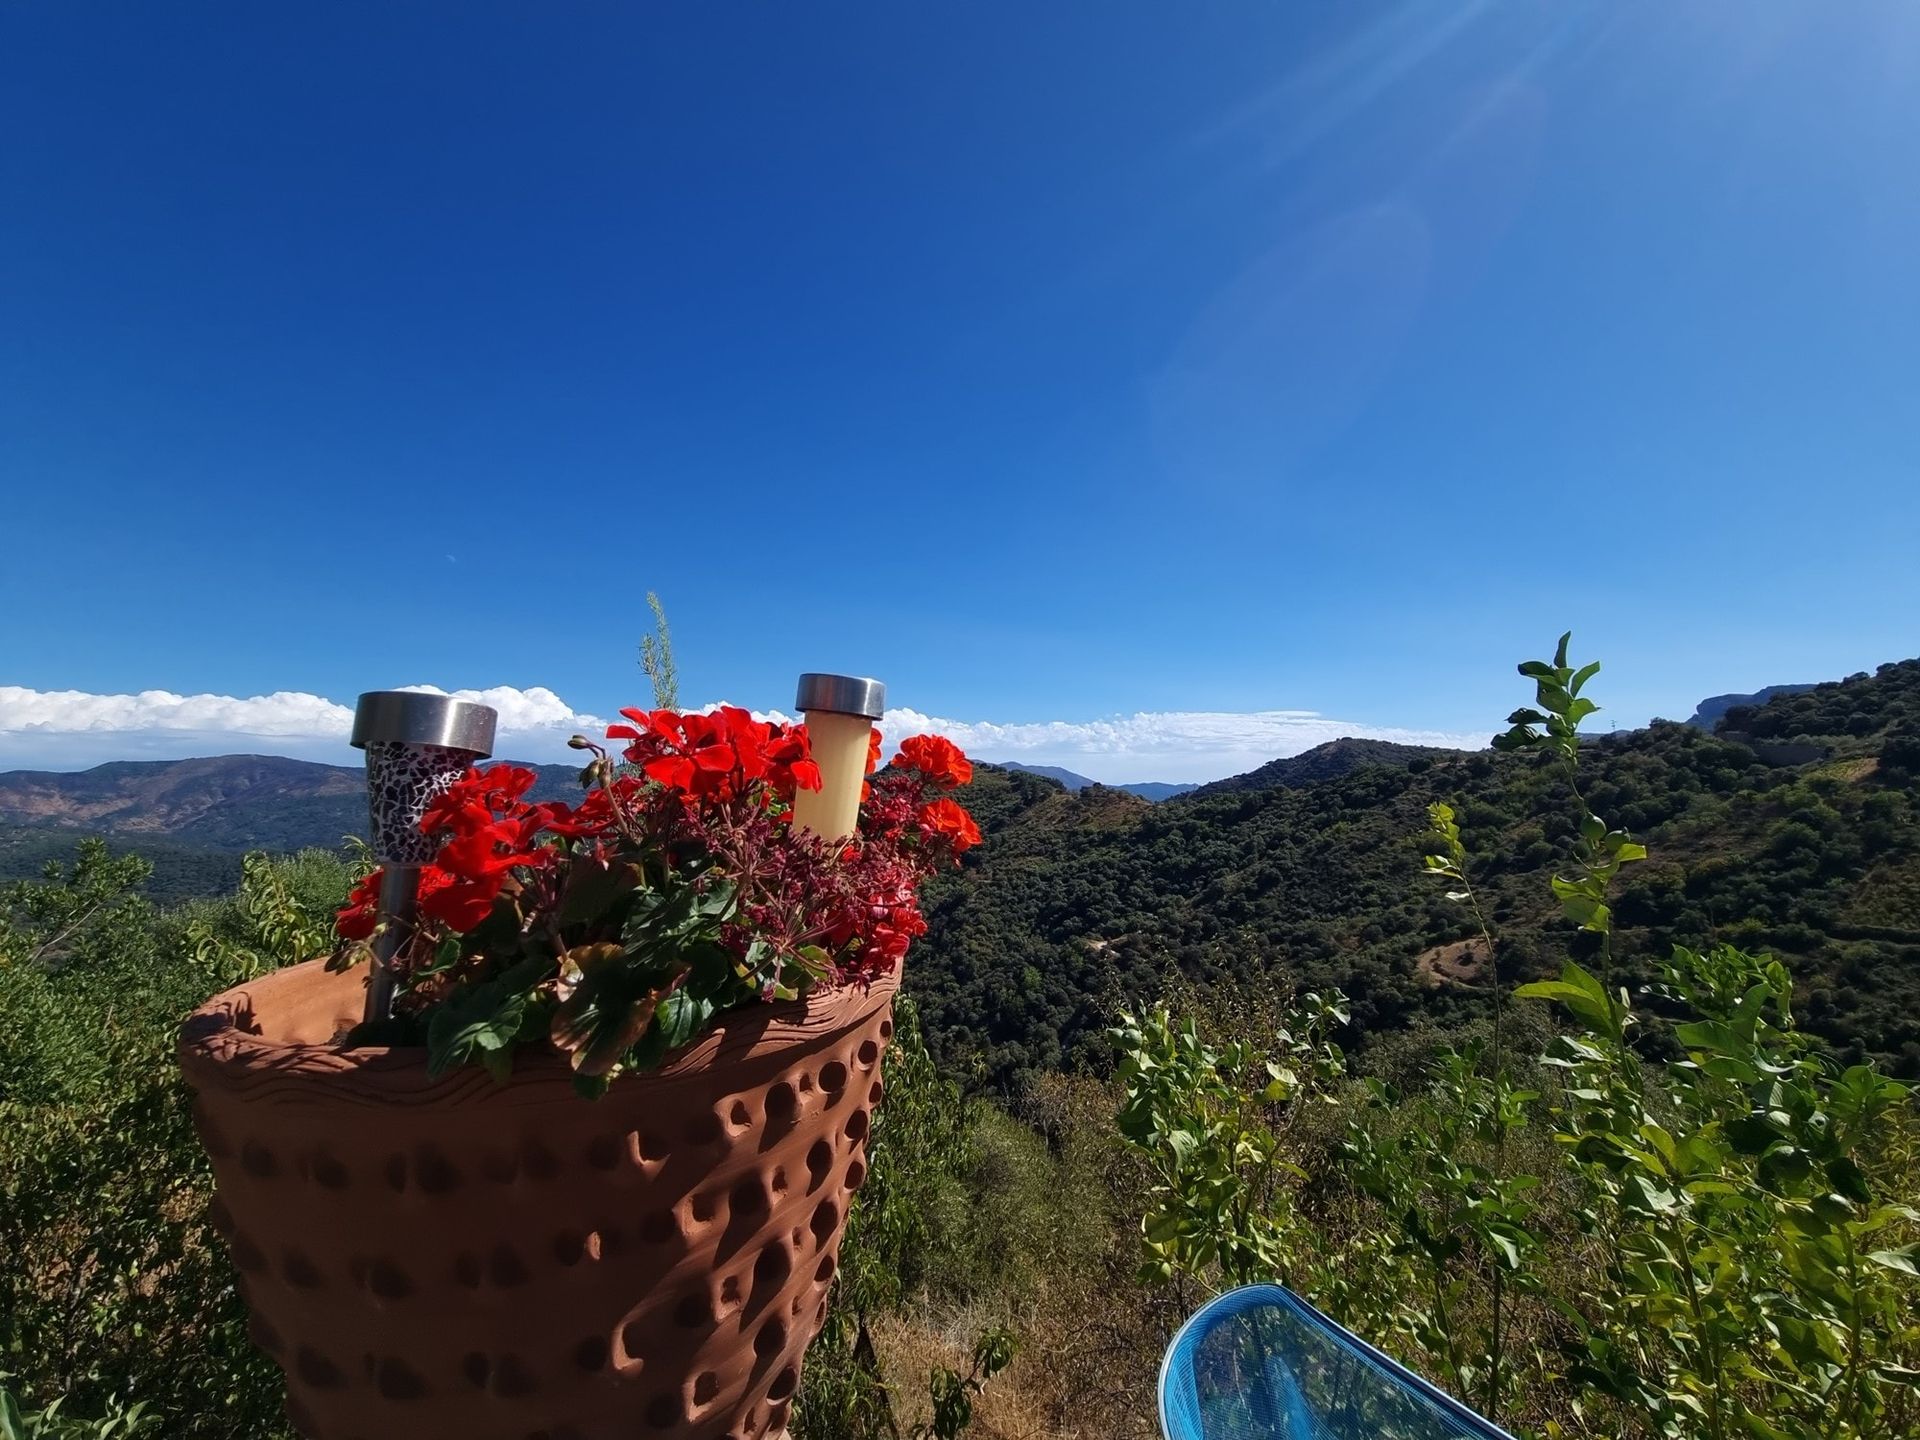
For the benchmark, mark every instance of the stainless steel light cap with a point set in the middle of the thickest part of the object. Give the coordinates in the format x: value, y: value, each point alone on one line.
x: 408, y: 717
x: 842, y: 695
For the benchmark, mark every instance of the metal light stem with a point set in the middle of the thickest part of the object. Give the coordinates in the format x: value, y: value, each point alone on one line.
x: 399, y: 909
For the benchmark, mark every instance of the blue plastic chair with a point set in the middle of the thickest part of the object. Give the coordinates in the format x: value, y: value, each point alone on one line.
x: 1259, y: 1363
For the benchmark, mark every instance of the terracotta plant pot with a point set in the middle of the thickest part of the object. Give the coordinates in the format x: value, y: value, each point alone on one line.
x: 464, y: 1259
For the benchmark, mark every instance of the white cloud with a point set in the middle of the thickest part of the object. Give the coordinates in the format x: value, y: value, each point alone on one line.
x: 71, y: 729
x: 1177, y: 746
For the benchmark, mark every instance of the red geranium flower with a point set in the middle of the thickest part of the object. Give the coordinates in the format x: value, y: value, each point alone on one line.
x: 937, y: 758
x: 356, y: 919
x: 948, y: 818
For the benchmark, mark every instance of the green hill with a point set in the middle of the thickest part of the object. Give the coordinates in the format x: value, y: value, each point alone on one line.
x: 1080, y: 899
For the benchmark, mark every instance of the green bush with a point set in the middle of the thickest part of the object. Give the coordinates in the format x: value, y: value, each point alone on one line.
x: 118, y: 1310
x: 1596, y: 1244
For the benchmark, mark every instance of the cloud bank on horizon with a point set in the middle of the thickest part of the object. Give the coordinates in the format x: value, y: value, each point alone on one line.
x: 76, y: 729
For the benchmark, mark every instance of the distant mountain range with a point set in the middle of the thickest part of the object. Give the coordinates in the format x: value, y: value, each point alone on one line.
x: 1145, y: 789
x: 232, y: 803
x: 223, y: 802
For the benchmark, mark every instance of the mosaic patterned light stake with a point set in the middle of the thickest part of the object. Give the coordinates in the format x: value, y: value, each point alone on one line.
x: 416, y: 745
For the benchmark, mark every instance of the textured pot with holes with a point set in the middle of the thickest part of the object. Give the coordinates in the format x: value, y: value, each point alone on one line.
x: 471, y: 1260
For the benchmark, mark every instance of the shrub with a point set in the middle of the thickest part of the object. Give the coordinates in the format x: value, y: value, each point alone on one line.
x: 1600, y: 1245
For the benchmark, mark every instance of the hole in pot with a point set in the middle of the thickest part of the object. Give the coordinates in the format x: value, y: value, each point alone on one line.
x: 771, y: 1268
x: 467, y: 1271
x: 783, y: 1104
x: 857, y: 1124
x: 706, y: 1388
x: 506, y: 1269
x: 886, y: 1029
x: 396, y: 1381
x: 783, y: 1384
x: 833, y: 1077
x: 823, y: 1272
x: 738, y: 1116
x: 632, y: 1357
x: 703, y: 1129
x: 329, y: 1173
x: 300, y: 1272
x: 659, y: 1227
x: 388, y: 1281
x: 591, y: 1353
x: 867, y: 1054
x: 826, y: 1219
x: 747, y: 1198
x: 856, y: 1175
x: 603, y: 1152
x: 220, y: 1217
x: 264, y: 1335
x: 258, y: 1161
x: 777, y: 1181
x: 539, y: 1162
x: 730, y: 1297
x: 569, y: 1246
x: 874, y: 1095
x: 652, y: 1148
x: 499, y: 1167
x: 476, y: 1369
x: 819, y: 1164
x: 512, y: 1379
x: 663, y: 1412
x: 692, y: 1312
x: 435, y: 1172
x: 771, y: 1339
x: 396, y: 1172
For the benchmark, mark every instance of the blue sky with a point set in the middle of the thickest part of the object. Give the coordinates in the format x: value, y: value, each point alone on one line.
x: 1122, y: 359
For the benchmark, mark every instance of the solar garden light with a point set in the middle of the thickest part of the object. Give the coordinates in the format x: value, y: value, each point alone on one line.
x: 840, y: 711
x: 417, y: 745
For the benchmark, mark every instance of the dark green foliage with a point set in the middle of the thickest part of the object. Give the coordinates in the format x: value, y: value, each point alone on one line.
x: 1720, y: 1246
x: 114, y: 1292
x: 1078, y: 903
x: 1324, y: 762
x: 1841, y: 712
x: 179, y: 871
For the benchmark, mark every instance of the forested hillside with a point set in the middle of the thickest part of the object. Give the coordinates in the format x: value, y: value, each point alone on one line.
x: 1082, y: 899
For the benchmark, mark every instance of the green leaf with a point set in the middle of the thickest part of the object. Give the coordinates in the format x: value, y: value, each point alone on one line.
x: 593, y: 889
x: 486, y: 1017
x: 1906, y: 1259
x: 681, y: 1016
